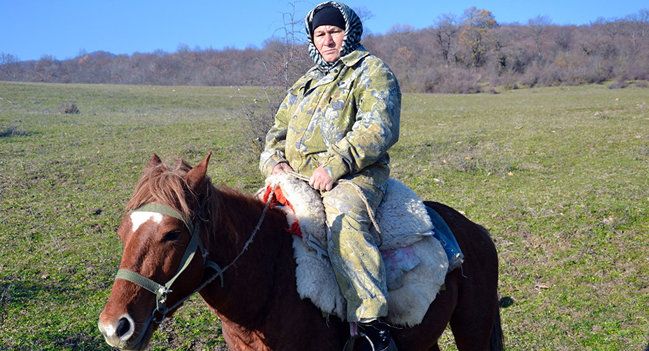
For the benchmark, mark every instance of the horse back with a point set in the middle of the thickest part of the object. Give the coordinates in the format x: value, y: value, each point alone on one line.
x: 474, y: 240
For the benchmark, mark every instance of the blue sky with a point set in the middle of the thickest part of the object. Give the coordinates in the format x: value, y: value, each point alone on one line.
x: 30, y: 29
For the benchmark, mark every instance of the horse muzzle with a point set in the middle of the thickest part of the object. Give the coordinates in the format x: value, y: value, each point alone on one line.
x: 121, y: 333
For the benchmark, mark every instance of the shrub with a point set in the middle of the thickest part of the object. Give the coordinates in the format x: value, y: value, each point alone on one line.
x: 451, y: 80
x: 618, y: 84
x: 69, y: 108
x: 642, y: 84
x: 12, y: 131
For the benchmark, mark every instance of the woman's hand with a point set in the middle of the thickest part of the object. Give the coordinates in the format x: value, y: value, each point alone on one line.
x: 282, y: 167
x: 321, y: 180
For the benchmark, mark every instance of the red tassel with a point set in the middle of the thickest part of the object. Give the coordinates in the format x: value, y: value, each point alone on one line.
x: 280, y: 200
x: 295, y: 229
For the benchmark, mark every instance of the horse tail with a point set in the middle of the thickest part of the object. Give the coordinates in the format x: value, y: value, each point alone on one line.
x: 496, y: 340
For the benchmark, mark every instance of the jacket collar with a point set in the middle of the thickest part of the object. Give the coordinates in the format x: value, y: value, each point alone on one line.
x: 353, y: 57
x: 321, y: 78
x: 348, y: 60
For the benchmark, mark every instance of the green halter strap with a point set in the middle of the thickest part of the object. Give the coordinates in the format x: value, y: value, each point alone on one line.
x: 162, y: 291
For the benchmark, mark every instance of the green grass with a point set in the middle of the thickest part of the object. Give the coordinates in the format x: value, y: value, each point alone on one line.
x: 560, y: 176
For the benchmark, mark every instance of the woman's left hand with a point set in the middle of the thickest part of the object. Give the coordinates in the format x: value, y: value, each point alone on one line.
x: 321, y: 180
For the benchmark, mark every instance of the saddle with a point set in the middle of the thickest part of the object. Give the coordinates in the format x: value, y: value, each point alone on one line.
x: 416, y: 262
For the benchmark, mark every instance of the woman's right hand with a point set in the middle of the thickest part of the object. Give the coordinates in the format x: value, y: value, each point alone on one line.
x: 282, y: 167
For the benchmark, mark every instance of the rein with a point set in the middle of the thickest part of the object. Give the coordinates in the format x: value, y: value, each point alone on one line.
x: 161, y: 291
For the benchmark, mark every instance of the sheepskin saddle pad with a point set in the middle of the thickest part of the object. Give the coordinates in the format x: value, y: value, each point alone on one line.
x: 415, y: 261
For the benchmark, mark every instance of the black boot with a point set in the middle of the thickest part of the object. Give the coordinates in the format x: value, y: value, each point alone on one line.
x: 377, y: 336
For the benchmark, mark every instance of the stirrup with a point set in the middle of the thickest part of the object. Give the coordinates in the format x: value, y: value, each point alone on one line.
x: 363, y: 336
x: 351, y: 343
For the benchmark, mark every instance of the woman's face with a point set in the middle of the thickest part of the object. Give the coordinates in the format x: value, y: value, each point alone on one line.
x: 329, y: 40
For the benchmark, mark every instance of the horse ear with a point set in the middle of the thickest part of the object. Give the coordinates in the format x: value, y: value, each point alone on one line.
x: 196, y: 175
x: 154, y: 161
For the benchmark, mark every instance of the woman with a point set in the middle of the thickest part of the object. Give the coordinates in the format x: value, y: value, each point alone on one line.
x: 338, y: 122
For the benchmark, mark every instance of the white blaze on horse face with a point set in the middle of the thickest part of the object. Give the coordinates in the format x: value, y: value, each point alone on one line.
x: 140, y: 217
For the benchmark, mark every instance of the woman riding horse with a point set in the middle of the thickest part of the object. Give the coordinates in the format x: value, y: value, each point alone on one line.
x: 182, y: 235
x: 338, y: 122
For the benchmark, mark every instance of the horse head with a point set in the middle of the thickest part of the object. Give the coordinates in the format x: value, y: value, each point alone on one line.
x: 163, y: 235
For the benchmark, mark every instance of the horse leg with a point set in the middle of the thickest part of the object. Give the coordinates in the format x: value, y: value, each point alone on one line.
x: 471, y: 332
x: 424, y: 337
x: 476, y: 315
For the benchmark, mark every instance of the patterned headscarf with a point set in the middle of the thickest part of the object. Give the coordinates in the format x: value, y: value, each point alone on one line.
x: 353, y: 32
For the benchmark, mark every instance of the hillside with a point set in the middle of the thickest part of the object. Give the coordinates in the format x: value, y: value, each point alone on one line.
x: 456, y: 54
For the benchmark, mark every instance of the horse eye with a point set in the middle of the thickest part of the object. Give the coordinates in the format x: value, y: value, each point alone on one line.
x: 171, y: 236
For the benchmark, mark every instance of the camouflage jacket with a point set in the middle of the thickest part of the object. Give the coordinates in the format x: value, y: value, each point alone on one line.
x: 345, y: 120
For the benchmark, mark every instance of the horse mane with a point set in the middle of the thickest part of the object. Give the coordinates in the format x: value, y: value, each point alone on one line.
x: 162, y: 184
x: 165, y: 185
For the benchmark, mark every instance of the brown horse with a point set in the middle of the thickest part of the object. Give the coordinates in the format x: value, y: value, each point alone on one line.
x: 255, y: 296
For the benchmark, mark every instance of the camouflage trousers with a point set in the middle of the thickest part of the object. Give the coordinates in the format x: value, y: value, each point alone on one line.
x: 353, y: 250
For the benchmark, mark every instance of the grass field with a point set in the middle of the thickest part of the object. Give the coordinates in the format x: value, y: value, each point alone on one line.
x: 560, y: 176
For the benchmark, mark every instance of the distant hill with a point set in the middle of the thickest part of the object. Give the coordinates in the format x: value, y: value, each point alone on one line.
x: 465, y: 54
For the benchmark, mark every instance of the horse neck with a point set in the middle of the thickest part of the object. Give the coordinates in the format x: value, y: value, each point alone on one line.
x: 248, y: 282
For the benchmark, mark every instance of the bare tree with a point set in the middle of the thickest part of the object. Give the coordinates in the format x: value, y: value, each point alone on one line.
x: 7, y: 58
x: 538, y: 26
x: 446, y: 34
x: 285, y: 62
x: 475, y: 35
x: 563, y: 38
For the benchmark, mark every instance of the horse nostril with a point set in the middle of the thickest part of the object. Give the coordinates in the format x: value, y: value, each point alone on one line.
x: 123, y: 326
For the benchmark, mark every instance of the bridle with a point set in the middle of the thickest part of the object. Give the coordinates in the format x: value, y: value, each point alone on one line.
x: 162, y: 291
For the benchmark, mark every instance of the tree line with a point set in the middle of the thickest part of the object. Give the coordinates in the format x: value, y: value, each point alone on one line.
x: 457, y: 54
